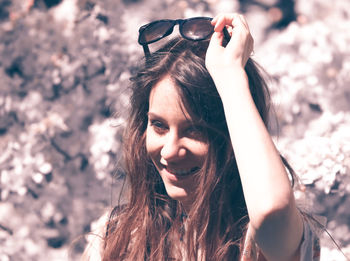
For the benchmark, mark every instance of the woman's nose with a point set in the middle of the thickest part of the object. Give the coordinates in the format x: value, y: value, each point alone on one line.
x: 172, y: 149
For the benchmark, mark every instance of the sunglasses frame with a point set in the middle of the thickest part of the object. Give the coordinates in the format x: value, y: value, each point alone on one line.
x: 175, y: 22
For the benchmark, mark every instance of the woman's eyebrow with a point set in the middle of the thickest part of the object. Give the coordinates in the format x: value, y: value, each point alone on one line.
x: 153, y: 115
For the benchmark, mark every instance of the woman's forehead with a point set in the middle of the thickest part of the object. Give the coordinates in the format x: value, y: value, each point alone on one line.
x: 165, y: 97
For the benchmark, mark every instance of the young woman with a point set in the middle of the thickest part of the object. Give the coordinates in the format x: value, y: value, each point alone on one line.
x: 206, y: 181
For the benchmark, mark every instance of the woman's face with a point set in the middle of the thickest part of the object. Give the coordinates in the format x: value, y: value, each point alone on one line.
x: 176, y: 146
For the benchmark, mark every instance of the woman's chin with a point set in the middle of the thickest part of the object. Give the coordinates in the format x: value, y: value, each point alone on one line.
x: 179, y: 194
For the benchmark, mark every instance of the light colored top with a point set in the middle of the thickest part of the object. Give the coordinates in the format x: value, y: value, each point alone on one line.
x: 309, y: 249
x: 94, y: 246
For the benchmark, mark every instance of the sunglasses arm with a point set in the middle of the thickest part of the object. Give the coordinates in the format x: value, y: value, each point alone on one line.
x: 146, y: 50
x: 227, y: 36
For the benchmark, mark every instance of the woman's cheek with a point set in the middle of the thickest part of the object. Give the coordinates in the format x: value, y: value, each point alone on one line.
x: 152, y: 143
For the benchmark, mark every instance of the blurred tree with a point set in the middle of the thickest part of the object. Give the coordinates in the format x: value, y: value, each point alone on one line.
x: 47, y: 3
x: 4, y: 5
x: 281, y: 12
x: 130, y: 1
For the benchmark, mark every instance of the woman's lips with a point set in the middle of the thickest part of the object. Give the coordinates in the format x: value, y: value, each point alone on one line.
x: 181, y: 172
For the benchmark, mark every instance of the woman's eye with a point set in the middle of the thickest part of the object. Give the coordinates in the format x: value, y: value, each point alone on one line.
x: 158, y: 125
x: 195, y: 132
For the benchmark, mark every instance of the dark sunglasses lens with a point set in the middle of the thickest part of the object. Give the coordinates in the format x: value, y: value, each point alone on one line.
x: 154, y: 32
x: 197, y: 29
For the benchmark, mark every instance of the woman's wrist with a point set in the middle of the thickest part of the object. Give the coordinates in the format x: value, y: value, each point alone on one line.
x: 230, y: 80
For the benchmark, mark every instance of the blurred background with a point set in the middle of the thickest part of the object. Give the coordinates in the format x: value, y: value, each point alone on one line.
x: 64, y: 70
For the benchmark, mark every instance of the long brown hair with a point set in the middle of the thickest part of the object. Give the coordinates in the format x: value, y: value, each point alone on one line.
x: 152, y: 226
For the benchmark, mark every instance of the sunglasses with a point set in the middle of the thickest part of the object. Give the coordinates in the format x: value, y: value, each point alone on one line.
x: 194, y: 29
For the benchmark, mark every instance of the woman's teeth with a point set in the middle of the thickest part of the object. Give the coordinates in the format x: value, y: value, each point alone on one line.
x: 182, y: 172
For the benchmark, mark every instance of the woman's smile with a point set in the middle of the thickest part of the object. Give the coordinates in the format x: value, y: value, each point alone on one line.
x: 182, y: 172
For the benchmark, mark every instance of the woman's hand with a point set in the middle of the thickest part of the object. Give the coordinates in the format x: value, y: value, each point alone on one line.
x: 235, y: 55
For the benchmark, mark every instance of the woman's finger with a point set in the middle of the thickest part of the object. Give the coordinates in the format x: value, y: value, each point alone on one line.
x: 244, y: 22
x: 216, y: 39
x: 214, y: 20
x: 222, y: 20
x: 219, y: 25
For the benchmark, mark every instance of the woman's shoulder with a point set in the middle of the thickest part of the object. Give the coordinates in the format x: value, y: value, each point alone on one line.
x: 95, y: 239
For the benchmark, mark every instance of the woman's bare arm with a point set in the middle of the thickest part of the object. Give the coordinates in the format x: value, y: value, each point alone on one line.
x: 274, y: 219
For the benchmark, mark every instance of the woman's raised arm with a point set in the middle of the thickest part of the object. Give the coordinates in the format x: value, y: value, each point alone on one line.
x: 275, y: 222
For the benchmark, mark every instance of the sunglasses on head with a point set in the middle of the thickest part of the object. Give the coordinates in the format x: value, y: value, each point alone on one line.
x: 194, y: 29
